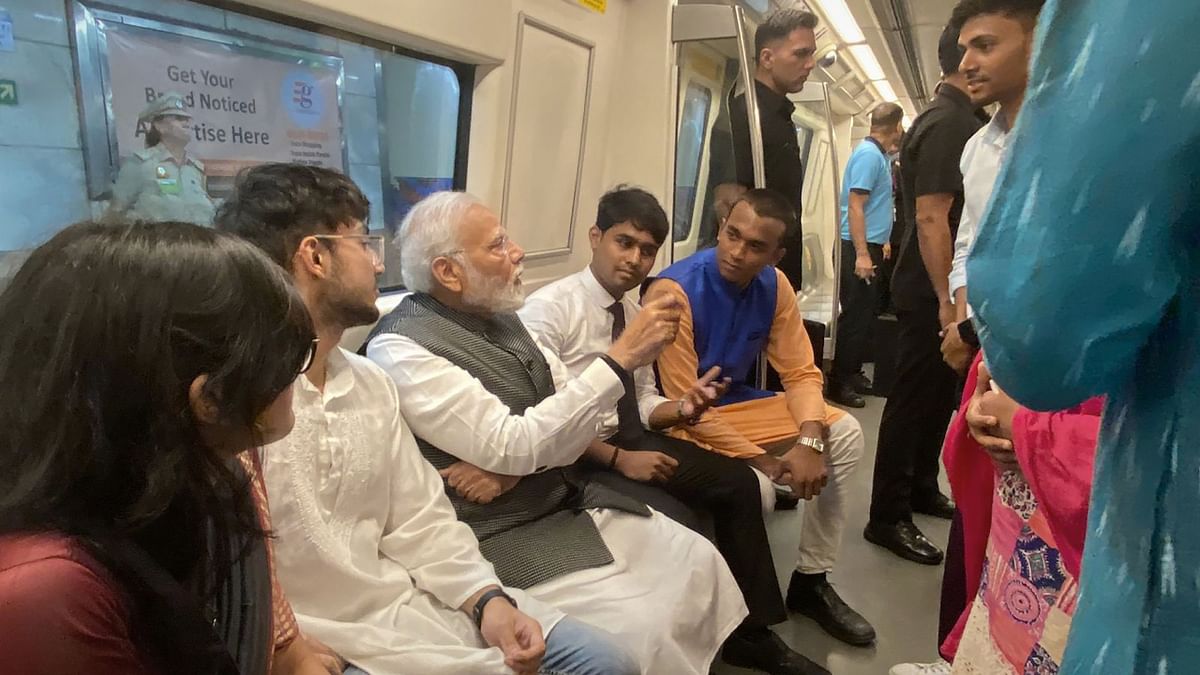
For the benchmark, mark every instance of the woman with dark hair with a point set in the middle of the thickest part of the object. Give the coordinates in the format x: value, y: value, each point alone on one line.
x: 137, y: 362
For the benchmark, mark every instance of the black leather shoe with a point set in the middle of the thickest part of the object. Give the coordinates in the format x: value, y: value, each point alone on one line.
x: 939, y: 507
x: 769, y: 654
x: 821, y: 603
x: 862, y: 383
x: 905, y: 540
x: 843, y: 394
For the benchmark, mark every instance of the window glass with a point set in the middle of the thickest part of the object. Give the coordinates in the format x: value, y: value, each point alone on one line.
x: 420, y: 112
x: 689, y: 150
x: 258, y: 88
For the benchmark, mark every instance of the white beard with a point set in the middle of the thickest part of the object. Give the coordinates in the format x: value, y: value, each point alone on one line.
x: 493, y: 295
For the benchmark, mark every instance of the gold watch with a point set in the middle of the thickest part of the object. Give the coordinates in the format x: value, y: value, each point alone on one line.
x: 816, y: 444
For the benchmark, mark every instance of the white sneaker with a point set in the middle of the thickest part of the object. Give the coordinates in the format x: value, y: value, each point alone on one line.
x: 939, y: 667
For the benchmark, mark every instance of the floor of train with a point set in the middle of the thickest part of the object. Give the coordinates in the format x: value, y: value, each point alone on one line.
x: 898, y: 597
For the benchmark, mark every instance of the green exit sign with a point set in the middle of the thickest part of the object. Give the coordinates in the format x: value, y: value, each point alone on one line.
x: 8, y: 92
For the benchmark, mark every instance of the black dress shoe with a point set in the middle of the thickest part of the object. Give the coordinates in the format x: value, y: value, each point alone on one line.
x: 905, y: 540
x: 820, y: 602
x: 862, y: 383
x: 768, y: 653
x: 939, y: 507
x: 843, y: 394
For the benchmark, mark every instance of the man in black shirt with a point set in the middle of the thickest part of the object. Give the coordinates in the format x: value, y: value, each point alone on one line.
x: 922, y: 399
x: 785, y: 47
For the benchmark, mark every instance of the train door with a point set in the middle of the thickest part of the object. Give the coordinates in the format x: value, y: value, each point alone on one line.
x: 714, y: 56
x: 820, y: 212
x: 711, y: 57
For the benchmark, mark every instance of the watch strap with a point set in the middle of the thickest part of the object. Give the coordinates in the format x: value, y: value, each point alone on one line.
x: 477, y: 611
x: 814, y: 443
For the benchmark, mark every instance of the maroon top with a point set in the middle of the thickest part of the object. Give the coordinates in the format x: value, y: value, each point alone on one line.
x: 60, y: 611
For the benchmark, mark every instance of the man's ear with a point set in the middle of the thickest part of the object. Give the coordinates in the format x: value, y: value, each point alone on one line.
x: 204, y: 408
x: 447, y: 273
x: 594, y: 236
x: 779, y: 255
x: 311, y: 258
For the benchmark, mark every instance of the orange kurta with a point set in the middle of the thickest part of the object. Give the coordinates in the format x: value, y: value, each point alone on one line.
x: 741, y: 429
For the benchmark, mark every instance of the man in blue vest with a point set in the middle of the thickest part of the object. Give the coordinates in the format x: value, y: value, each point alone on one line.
x: 735, y: 306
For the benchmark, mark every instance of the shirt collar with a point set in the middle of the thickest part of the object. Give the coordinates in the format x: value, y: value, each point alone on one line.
x: 995, y: 133
x: 877, y: 144
x: 955, y: 95
x: 769, y: 99
x: 339, y: 377
x: 595, y: 292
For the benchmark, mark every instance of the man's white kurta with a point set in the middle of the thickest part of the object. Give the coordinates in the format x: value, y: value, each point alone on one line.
x: 368, y: 547
x: 668, y: 596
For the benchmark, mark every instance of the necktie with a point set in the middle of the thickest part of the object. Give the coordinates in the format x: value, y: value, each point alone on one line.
x: 629, y: 421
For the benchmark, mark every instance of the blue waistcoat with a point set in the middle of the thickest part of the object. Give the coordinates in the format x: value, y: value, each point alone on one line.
x: 731, y: 325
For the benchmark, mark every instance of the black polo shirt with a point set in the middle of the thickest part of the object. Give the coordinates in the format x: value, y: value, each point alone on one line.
x: 781, y: 155
x: 929, y: 160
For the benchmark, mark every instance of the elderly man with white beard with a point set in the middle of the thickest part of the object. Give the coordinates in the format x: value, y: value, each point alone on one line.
x: 503, y: 422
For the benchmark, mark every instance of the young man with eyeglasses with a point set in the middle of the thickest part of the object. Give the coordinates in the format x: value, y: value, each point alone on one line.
x: 369, y: 550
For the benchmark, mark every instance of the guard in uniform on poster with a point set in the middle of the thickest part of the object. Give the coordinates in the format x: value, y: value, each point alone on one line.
x: 161, y: 182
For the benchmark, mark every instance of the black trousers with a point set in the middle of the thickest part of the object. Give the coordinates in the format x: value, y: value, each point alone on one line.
x: 914, y: 420
x: 954, y: 581
x: 723, y: 491
x: 859, y: 301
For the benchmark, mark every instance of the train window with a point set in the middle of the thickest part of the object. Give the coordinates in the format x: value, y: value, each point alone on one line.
x: 689, y: 150
x: 419, y: 107
x: 258, y: 87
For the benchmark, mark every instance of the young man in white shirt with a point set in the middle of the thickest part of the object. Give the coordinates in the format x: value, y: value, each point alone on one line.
x: 996, y: 64
x: 368, y: 548
x: 481, y: 394
x: 578, y: 318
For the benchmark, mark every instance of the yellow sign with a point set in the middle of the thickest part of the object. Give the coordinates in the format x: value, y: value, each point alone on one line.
x: 595, y: 5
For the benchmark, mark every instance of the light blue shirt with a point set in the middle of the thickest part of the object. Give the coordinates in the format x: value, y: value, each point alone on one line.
x: 870, y: 171
x: 1085, y: 279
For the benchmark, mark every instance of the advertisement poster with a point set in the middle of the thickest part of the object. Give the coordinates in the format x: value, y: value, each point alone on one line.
x: 247, y: 106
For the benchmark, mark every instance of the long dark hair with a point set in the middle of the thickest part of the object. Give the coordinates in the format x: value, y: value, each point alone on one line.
x: 105, y: 329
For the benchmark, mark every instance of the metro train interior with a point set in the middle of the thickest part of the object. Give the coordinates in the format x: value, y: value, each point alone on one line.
x: 537, y: 107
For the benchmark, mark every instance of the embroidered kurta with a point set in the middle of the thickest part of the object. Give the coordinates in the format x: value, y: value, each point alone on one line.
x: 368, y: 548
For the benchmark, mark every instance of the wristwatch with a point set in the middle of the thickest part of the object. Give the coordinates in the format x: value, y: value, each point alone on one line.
x: 477, y: 611
x: 816, y: 444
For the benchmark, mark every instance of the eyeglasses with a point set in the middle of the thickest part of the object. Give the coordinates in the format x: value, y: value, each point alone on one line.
x: 309, y: 356
x: 371, y: 243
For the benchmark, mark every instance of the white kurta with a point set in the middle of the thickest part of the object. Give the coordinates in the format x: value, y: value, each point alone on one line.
x: 368, y: 547
x: 668, y: 596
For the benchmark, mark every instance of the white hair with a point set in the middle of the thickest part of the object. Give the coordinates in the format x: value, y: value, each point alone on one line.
x: 430, y: 229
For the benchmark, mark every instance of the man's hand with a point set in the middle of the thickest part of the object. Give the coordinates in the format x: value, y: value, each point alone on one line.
x: 704, y: 393
x: 864, y: 267
x: 329, y: 659
x: 771, y: 467
x: 516, y: 634
x: 956, y: 353
x: 476, y: 485
x: 648, y: 334
x: 646, y: 466
x: 807, y: 470
x: 984, y: 412
x: 887, y: 251
x: 946, y: 314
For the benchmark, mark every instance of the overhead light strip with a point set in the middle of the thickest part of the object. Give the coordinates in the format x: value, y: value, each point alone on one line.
x: 839, y: 16
x: 885, y: 91
x: 865, y: 58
